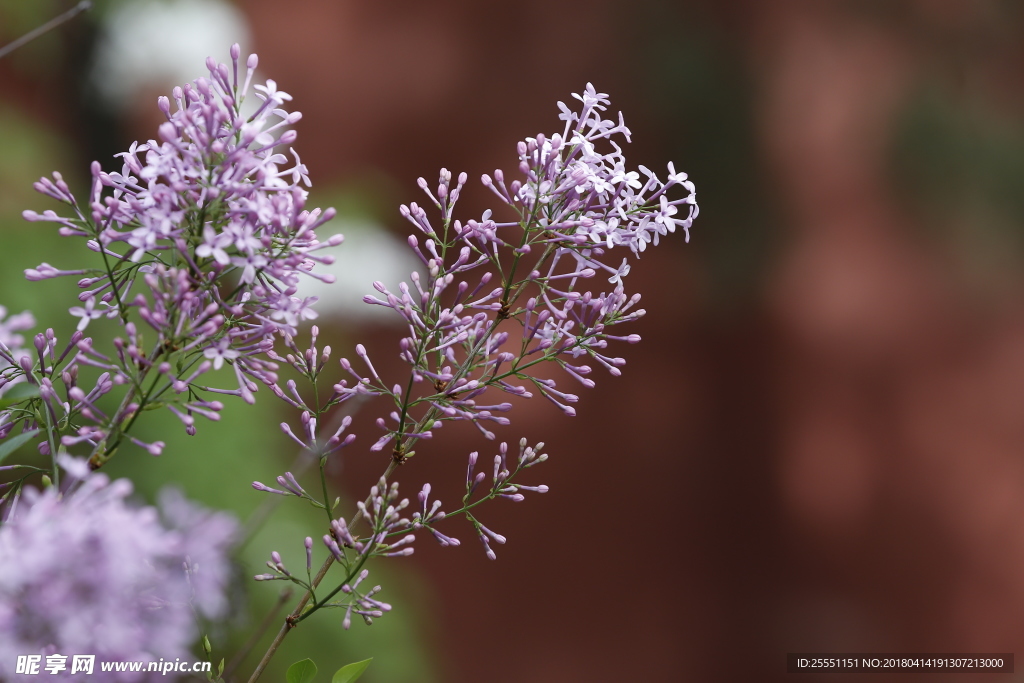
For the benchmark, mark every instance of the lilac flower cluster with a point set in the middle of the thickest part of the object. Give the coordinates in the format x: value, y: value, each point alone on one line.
x: 391, y: 534
x: 576, y: 207
x: 202, y: 236
x: 384, y: 517
x: 210, y: 202
x: 86, y: 572
x: 200, y: 241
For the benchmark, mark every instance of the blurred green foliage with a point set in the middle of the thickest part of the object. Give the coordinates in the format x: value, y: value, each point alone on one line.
x: 956, y: 163
x: 949, y: 154
x: 698, y: 91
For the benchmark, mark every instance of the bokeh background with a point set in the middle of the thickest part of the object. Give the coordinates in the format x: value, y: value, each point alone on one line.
x: 819, y: 445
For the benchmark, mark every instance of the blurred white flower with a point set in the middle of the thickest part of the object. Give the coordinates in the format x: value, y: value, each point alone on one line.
x: 369, y: 253
x: 155, y: 44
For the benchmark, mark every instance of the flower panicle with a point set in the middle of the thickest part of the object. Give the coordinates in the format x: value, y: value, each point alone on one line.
x: 583, y: 217
x: 201, y: 239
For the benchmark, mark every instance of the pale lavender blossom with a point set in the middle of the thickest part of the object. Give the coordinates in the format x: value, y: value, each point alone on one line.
x: 88, y: 572
x: 203, y: 236
x: 206, y: 535
x: 11, y: 351
x: 581, y: 213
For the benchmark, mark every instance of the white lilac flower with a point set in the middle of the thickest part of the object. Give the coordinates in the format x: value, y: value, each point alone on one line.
x: 87, y: 572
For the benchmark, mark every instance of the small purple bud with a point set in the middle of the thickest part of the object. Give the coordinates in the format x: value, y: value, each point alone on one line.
x: 167, y: 131
x: 263, y: 487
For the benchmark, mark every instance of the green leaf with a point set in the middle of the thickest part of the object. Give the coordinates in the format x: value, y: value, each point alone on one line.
x: 18, y: 393
x: 12, y: 443
x: 301, y: 672
x: 351, y: 672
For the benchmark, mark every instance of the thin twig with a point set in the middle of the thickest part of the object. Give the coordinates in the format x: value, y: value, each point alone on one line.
x: 48, y: 26
x: 288, y: 624
x: 285, y: 596
x: 303, y: 461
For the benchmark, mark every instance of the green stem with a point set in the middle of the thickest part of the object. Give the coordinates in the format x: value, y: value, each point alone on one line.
x: 319, y: 605
x: 294, y: 618
x: 103, y: 452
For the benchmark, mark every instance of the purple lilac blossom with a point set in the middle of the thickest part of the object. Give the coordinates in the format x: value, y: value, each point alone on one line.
x: 88, y: 573
x: 576, y: 206
x: 205, y: 537
x: 213, y: 197
x: 576, y: 210
x: 203, y: 236
x: 11, y: 351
